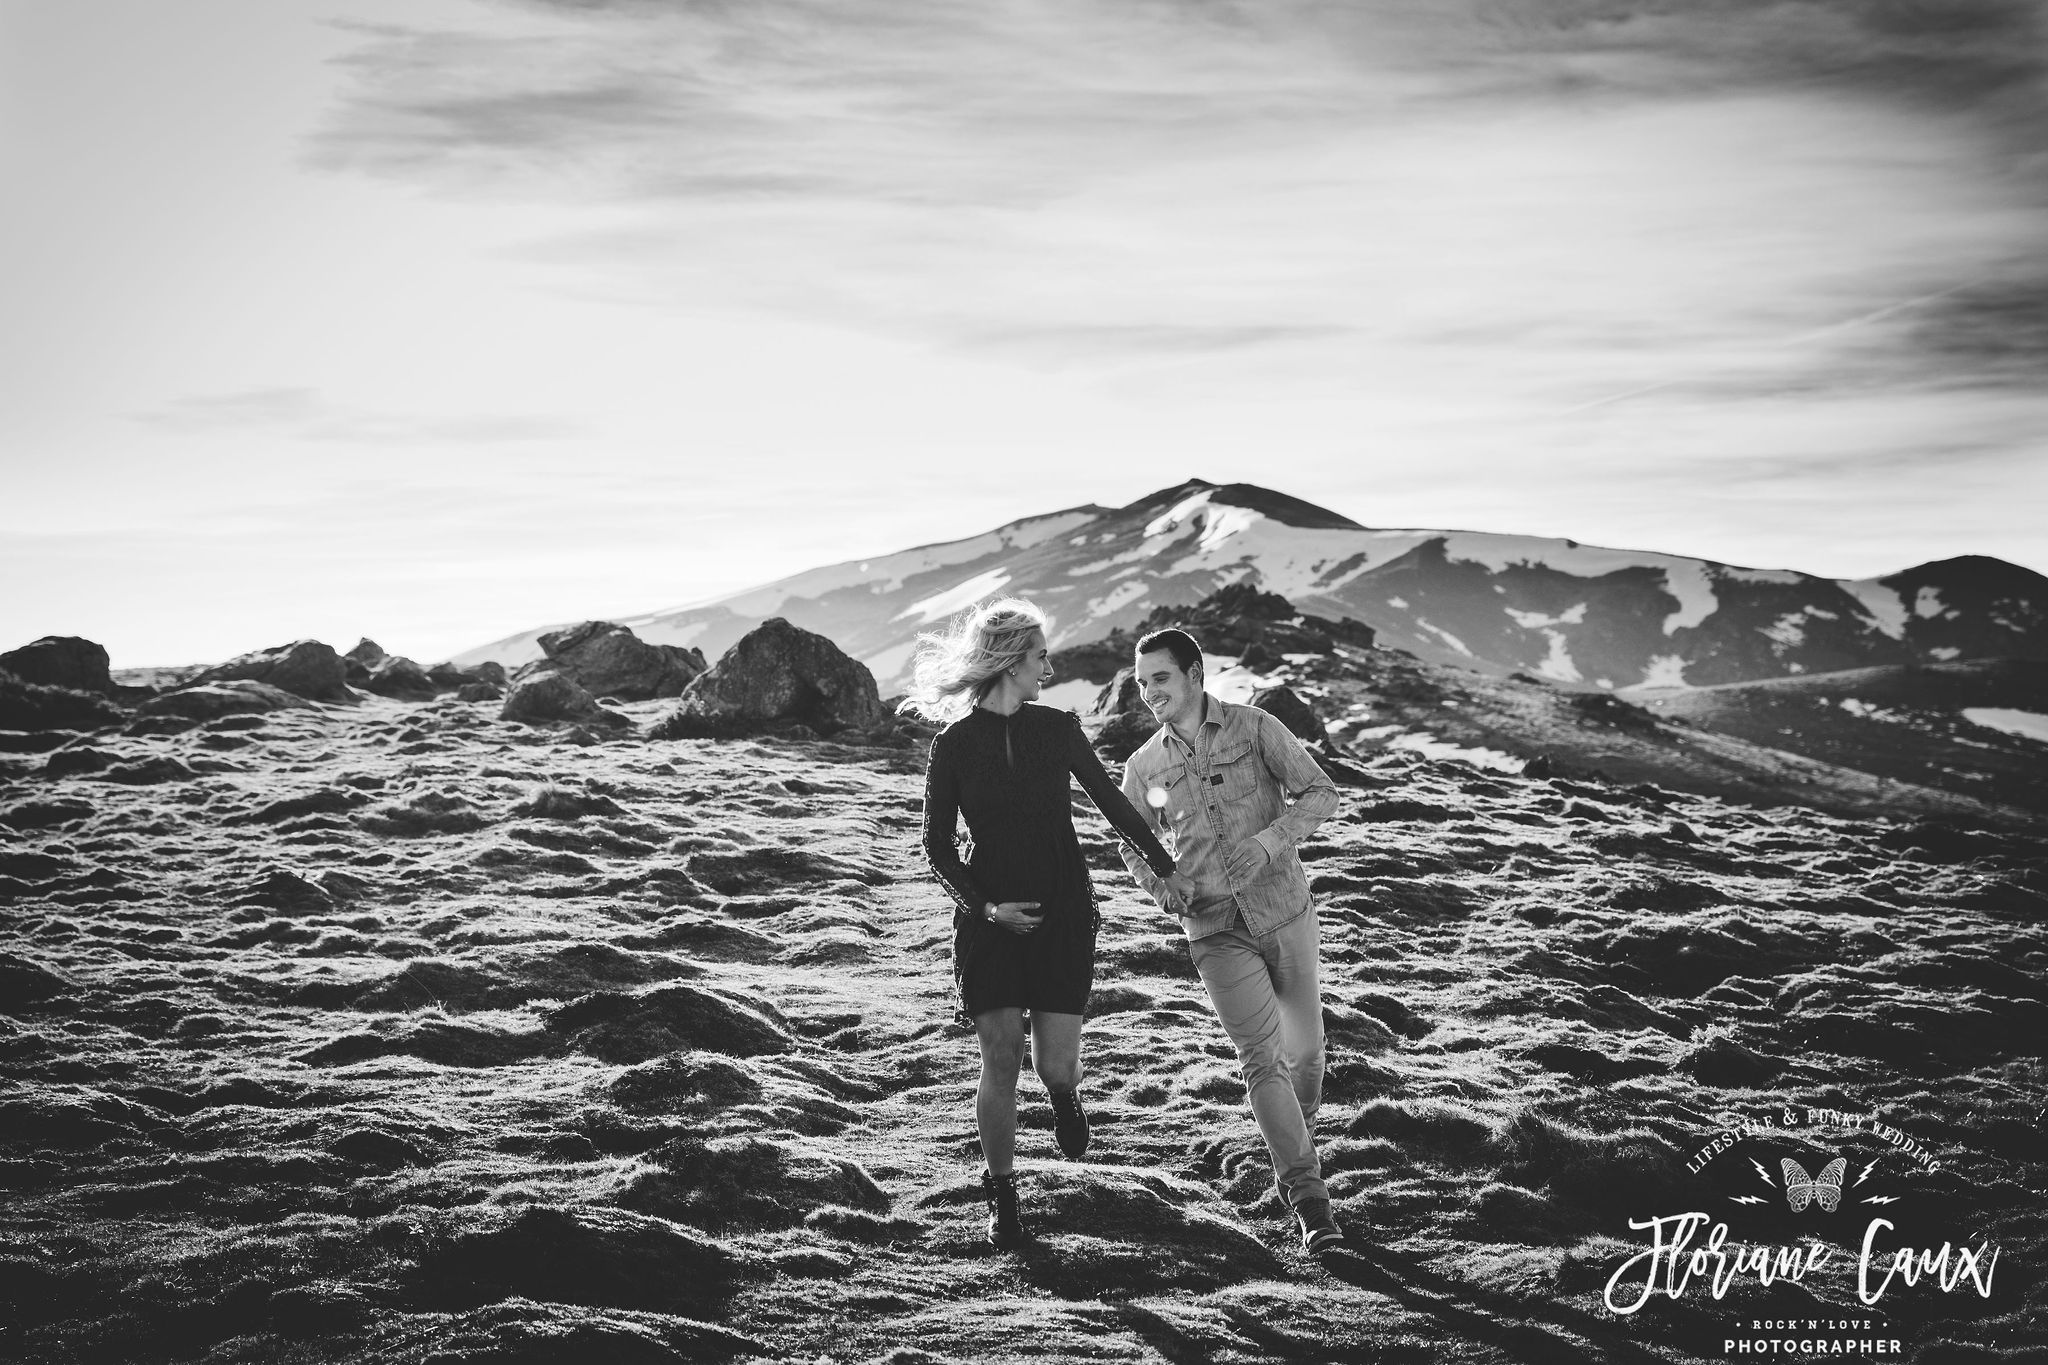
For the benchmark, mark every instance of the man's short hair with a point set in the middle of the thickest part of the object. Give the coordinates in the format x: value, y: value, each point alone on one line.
x: 1181, y: 645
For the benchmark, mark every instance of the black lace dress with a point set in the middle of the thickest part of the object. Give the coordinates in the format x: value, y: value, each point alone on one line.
x: 1008, y: 775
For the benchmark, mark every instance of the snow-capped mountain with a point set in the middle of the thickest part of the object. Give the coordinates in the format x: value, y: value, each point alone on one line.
x: 1577, y: 614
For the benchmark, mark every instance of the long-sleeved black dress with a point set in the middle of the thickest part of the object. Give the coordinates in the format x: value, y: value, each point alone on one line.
x: 1008, y: 776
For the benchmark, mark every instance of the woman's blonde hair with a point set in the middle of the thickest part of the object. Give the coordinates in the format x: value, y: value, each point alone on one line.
x: 958, y: 666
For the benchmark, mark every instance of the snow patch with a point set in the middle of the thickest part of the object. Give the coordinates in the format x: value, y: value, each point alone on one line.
x: 1536, y: 620
x: 1429, y: 746
x: 1225, y: 680
x: 1077, y: 695
x: 1887, y: 609
x: 955, y: 598
x: 887, y: 664
x: 1559, y: 663
x: 668, y: 633
x: 1927, y: 602
x: 1121, y: 596
x: 1787, y: 630
x: 1781, y: 576
x: 1167, y: 522
x: 1453, y: 641
x: 1945, y: 652
x: 1664, y: 670
x: 889, y: 572
x: 1865, y: 710
x: 1685, y: 579
x: 2025, y: 724
x: 1398, y: 603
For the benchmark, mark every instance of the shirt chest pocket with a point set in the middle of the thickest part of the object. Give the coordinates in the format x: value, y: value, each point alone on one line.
x: 1233, y: 771
x: 1169, y: 793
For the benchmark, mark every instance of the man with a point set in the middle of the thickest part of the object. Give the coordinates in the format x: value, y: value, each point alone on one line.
x: 1217, y: 780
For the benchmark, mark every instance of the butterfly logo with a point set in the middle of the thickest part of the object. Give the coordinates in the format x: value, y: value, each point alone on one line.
x: 1824, y: 1189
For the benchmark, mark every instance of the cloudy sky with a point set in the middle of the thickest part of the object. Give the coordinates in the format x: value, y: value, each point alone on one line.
x: 438, y: 319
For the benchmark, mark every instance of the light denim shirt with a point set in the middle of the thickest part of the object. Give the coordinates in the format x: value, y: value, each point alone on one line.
x: 1250, y: 779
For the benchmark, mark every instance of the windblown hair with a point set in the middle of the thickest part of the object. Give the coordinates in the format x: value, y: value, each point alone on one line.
x: 958, y: 666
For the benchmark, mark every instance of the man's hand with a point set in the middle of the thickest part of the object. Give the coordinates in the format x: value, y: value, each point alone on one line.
x: 1180, y: 893
x: 1019, y: 917
x: 1246, y: 859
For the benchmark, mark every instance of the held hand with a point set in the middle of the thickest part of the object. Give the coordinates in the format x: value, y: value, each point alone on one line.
x: 1179, y: 893
x: 1019, y: 917
x: 1246, y: 859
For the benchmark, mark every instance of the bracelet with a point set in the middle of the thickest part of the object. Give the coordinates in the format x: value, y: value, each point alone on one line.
x: 988, y: 913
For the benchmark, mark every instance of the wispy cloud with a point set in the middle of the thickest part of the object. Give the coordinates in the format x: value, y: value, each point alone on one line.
x: 304, y: 413
x: 1069, y: 182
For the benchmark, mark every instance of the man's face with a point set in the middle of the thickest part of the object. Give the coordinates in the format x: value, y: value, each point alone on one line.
x: 1173, y: 697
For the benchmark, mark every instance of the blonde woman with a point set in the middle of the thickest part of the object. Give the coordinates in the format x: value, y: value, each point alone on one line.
x: 1024, y: 916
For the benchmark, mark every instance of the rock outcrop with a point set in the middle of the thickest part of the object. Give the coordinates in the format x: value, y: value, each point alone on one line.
x: 1256, y: 628
x: 305, y: 668
x: 61, y: 661
x: 779, y: 674
x: 1125, y: 722
x: 490, y: 672
x: 544, y: 698
x: 397, y: 676
x: 210, y: 701
x: 358, y: 662
x: 1287, y: 706
x: 38, y: 706
x: 608, y: 660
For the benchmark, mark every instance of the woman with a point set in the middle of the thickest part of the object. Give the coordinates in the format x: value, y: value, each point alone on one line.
x: 1024, y: 919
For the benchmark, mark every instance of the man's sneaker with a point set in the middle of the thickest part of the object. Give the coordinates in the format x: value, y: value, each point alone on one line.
x: 1319, y: 1231
x: 1005, y: 1228
x: 1069, y: 1122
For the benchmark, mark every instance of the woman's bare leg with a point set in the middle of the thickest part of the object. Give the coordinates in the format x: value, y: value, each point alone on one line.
x: 1001, y: 1034
x: 1056, y: 1049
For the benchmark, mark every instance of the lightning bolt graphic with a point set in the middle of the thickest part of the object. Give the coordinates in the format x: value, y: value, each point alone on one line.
x: 1762, y: 1172
x: 1882, y: 1199
x: 1865, y: 1175
x: 1748, y: 1199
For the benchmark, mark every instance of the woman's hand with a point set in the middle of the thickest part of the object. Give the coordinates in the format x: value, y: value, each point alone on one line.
x: 1180, y: 893
x: 1019, y: 917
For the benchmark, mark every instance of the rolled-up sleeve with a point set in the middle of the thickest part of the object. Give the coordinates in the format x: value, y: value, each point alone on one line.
x: 1311, y: 796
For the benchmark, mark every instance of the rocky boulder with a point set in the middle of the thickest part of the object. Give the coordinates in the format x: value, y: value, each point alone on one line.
x: 609, y: 660
x: 38, y: 706
x: 210, y: 701
x: 544, y: 698
x: 1240, y: 621
x: 305, y: 668
x: 61, y: 661
x: 397, y: 676
x: 779, y: 674
x: 358, y: 663
x: 1286, y: 705
x: 1122, y: 720
x: 490, y: 671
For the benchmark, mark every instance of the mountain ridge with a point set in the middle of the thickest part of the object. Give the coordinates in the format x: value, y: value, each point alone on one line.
x: 1577, y: 614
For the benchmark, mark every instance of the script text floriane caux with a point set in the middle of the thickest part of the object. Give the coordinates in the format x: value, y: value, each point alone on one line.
x: 1672, y: 1261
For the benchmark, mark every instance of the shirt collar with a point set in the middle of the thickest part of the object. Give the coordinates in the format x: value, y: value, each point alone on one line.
x: 1212, y: 714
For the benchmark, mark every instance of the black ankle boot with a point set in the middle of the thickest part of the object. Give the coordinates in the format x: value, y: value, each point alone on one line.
x: 1005, y: 1228
x: 1069, y: 1121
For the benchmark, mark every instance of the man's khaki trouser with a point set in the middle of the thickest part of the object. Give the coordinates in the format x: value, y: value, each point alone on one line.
x: 1264, y: 990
